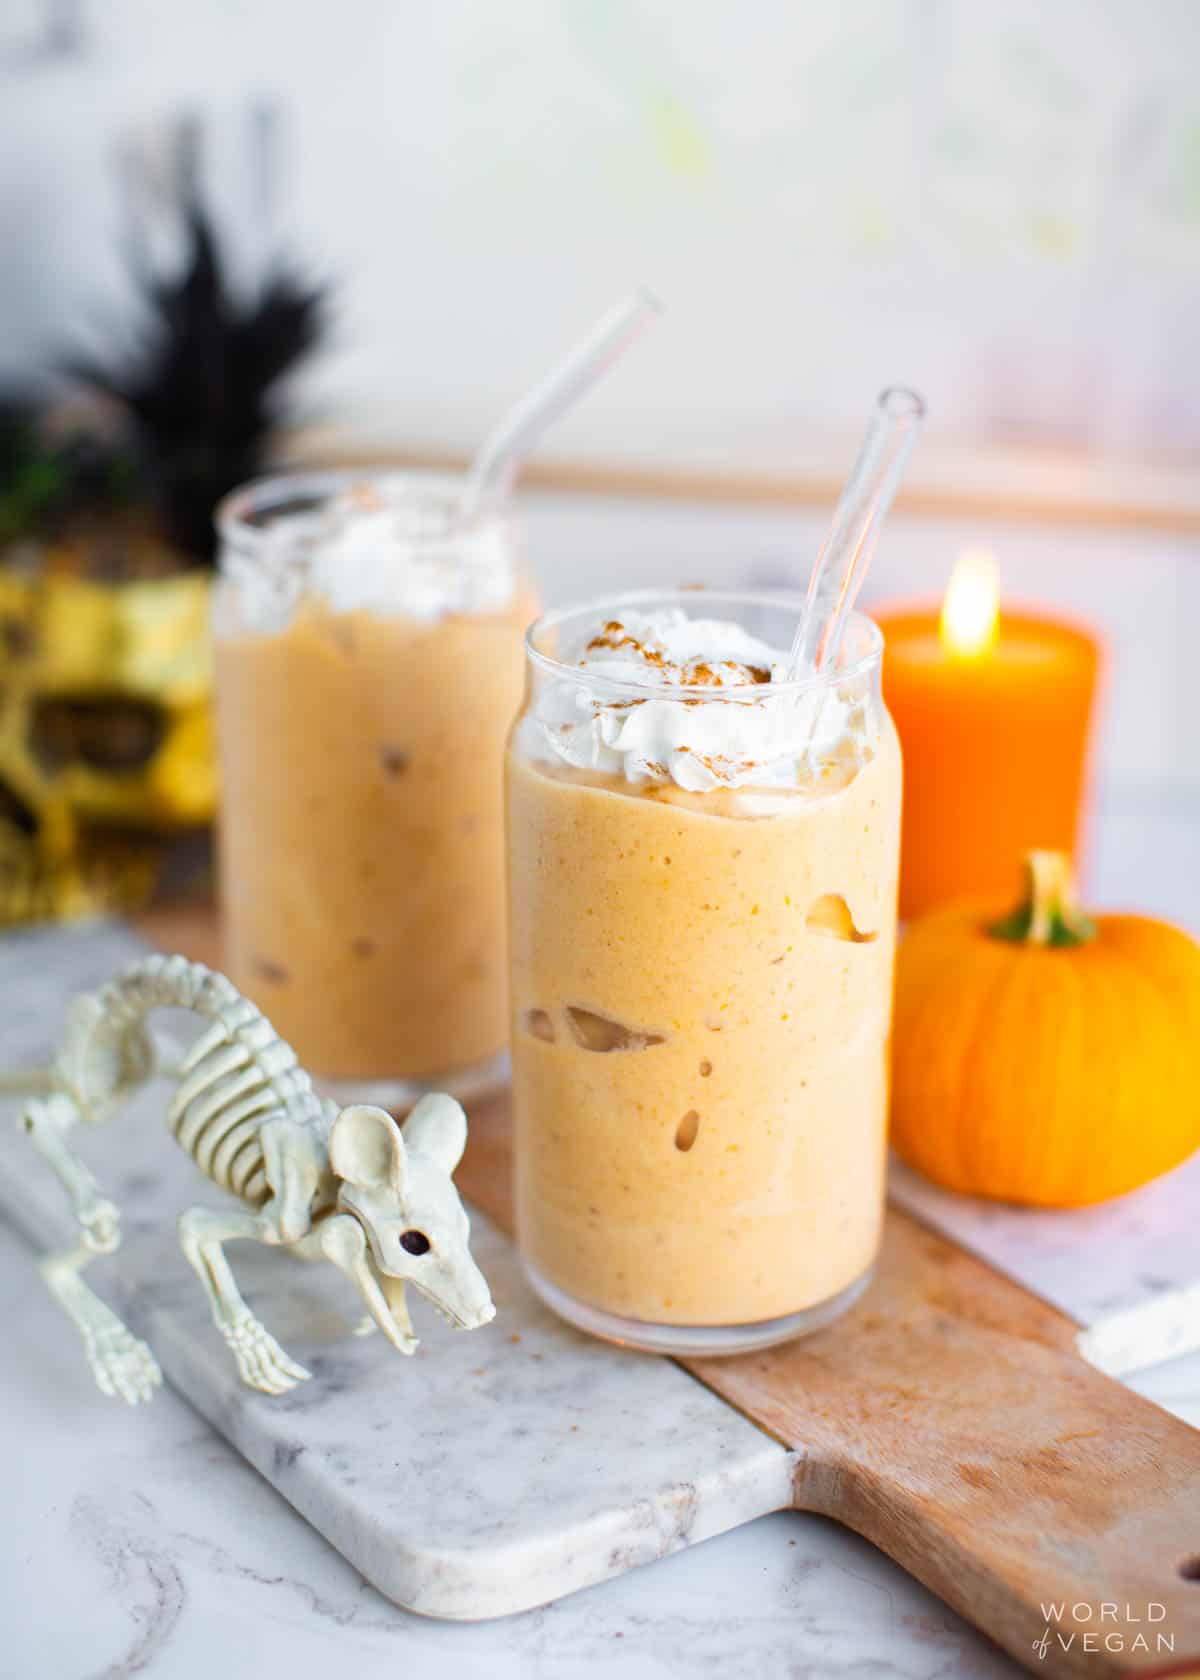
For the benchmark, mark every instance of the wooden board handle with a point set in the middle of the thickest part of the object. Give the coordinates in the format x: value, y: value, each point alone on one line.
x: 950, y: 1420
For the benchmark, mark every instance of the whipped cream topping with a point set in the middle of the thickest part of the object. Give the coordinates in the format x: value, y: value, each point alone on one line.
x: 389, y: 548
x: 747, y: 737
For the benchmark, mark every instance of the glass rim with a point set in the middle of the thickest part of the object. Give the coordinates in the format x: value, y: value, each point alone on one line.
x: 234, y: 514
x: 791, y: 601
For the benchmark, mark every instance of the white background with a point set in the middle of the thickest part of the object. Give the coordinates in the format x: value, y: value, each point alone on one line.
x: 1000, y: 204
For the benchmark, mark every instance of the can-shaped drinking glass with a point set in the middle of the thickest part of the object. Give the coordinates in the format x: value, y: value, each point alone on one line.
x: 702, y: 878
x: 368, y: 654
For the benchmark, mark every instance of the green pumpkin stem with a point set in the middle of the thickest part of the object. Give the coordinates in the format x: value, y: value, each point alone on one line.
x: 1049, y: 913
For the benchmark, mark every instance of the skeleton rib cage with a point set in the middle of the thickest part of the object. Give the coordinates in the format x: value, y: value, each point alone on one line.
x: 237, y: 1076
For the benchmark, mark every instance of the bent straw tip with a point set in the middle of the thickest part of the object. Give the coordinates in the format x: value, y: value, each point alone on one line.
x: 901, y: 402
x: 644, y: 298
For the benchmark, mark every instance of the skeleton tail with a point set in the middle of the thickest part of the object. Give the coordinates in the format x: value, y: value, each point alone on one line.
x: 30, y: 1082
x: 237, y: 1074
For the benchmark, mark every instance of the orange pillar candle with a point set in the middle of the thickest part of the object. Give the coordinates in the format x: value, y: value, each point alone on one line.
x: 993, y: 712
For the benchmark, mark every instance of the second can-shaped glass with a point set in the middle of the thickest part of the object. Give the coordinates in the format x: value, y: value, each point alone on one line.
x: 368, y: 661
x: 702, y: 874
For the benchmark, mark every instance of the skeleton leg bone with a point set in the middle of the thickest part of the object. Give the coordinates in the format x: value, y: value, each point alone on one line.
x: 342, y: 1239
x: 121, y: 1364
x: 46, y: 1122
x: 261, y: 1362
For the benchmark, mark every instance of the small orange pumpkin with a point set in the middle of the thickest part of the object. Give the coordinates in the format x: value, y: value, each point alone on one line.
x: 1045, y: 1057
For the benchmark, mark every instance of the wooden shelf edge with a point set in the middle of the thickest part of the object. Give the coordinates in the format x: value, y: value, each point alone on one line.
x: 932, y: 499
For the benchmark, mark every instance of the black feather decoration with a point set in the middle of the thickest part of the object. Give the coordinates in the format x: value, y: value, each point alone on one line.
x: 201, y: 388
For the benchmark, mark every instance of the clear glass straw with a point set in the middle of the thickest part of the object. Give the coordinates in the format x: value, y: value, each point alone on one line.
x: 500, y: 458
x: 846, y: 552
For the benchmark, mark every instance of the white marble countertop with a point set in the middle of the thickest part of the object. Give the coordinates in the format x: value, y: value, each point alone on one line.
x: 139, y: 1543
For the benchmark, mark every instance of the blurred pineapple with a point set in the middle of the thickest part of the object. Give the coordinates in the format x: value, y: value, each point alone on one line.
x: 106, y: 550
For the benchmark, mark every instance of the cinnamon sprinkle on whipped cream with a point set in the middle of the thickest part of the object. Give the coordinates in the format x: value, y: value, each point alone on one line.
x: 748, y: 736
x: 687, y: 673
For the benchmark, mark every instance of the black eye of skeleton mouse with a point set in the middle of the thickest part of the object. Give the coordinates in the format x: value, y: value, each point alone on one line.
x: 414, y: 1242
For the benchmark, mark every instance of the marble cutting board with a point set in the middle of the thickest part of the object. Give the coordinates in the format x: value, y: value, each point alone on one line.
x: 490, y: 1472
x: 954, y: 1423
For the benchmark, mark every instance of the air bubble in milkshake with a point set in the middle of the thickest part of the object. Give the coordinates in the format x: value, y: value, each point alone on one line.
x: 597, y: 1032
x: 830, y: 916
x: 686, y: 1131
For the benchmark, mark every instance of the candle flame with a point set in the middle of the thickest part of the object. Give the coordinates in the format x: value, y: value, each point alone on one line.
x: 971, y: 610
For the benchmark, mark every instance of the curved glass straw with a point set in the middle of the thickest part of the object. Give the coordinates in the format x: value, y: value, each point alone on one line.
x: 846, y: 552
x: 499, y: 459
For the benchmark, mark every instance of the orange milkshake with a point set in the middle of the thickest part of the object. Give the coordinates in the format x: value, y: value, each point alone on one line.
x: 702, y: 869
x: 368, y: 660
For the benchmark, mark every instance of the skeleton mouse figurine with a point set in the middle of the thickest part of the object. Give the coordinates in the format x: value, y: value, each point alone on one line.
x: 345, y: 1185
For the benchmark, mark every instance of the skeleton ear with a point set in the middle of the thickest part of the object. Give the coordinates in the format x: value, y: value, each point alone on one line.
x: 367, y: 1149
x: 437, y: 1129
